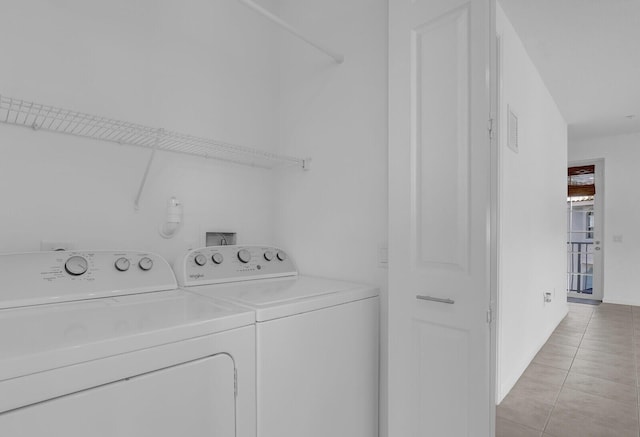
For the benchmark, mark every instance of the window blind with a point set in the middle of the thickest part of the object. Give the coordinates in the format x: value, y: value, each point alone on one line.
x: 581, y: 181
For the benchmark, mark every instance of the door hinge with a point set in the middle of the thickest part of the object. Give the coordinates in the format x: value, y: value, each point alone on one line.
x: 235, y: 382
x: 490, y: 128
x: 489, y: 316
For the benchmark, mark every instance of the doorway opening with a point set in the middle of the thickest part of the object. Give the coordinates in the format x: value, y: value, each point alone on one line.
x: 584, y: 231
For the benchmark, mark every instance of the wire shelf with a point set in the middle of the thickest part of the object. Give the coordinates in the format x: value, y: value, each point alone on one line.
x: 53, y: 119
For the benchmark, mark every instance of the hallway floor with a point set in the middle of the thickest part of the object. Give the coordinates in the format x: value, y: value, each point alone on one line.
x: 584, y: 380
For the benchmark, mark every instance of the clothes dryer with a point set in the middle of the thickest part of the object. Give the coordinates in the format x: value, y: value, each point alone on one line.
x: 316, y: 339
x: 103, y: 344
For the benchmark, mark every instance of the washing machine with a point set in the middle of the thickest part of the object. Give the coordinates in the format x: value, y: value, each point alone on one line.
x: 316, y: 339
x: 103, y: 344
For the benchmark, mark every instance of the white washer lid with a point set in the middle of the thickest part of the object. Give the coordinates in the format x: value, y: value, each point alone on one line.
x: 282, y: 297
x: 45, y: 337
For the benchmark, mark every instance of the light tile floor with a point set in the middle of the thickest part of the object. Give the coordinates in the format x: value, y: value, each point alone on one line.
x: 584, y: 380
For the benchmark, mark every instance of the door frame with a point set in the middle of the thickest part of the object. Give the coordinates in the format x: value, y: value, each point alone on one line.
x: 496, y: 88
x: 598, y: 208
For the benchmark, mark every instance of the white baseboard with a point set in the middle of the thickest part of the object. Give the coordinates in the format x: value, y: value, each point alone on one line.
x: 506, y: 386
x: 622, y: 302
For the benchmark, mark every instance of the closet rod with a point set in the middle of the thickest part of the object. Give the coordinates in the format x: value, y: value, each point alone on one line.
x: 279, y: 21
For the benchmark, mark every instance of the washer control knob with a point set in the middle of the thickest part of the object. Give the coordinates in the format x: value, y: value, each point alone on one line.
x: 244, y: 255
x: 217, y: 258
x: 200, y: 259
x: 268, y: 255
x: 145, y: 263
x: 122, y: 264
x: 76, y: 265
x: 281, y: 255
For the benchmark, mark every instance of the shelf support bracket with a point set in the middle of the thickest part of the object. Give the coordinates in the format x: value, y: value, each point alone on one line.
x: 337, y: 57
x: 146, y: 170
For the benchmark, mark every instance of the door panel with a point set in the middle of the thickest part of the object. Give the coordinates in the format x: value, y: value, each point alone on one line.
x: 433, y: 371
x: 440, y: 195
x: 441, y: 71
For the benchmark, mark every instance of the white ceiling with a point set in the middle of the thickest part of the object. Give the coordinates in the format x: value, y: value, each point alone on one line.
x: 588, y: 54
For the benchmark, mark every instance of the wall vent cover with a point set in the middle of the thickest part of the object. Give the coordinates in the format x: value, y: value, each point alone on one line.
x: 512, y: 130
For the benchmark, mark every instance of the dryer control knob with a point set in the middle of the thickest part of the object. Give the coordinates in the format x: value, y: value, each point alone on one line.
x: 76, y: 266
x: 244, y: 255
x: 217, y: 258
x: 200, y: 259
x: 122, y: 264
x: 268, y: 255
x: 145, y: 263
x: 281, y: 255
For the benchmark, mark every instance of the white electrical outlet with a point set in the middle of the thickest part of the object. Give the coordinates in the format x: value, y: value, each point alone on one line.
x: 48, y: 245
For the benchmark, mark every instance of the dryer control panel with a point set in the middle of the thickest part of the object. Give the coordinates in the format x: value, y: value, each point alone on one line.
x: 37, y: 278
x: 219, y: 264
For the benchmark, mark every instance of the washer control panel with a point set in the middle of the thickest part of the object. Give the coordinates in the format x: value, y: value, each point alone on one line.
x: 218, y: 264
x: 47, y: 277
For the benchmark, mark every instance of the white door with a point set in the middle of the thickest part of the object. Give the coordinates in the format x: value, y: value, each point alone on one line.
x: 440, y: 202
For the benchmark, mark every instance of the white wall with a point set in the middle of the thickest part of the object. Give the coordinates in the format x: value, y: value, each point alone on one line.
x: 621, y: 155
x: 532, y: 228
x: 208, y: 68
x: 334, y: 217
